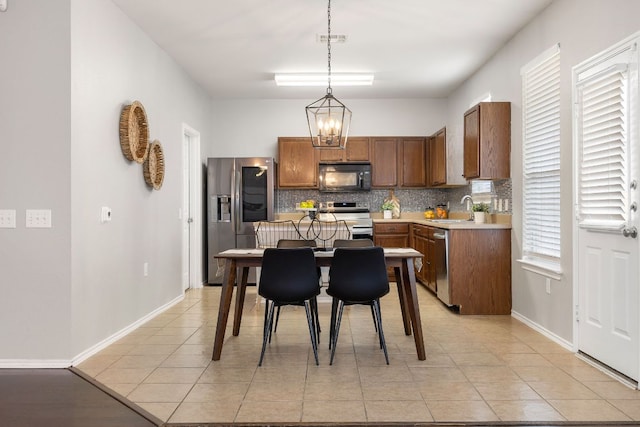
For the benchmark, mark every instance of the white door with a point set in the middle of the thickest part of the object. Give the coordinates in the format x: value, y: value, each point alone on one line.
x: 191, y: 224
x: 606, y: 195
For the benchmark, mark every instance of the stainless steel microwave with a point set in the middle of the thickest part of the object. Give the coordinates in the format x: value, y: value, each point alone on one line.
x: 334, y: 177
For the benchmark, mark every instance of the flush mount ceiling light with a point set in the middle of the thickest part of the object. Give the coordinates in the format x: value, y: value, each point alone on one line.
x: 301, y: 79
x: 328, y: 118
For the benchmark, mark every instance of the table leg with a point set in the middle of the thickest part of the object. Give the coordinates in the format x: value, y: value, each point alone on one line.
x: 225, y: 305
x: 409, y: 283
x: 242, y: 290
x: 403, y: 301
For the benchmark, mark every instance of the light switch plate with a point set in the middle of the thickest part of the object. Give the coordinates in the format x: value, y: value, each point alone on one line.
x: 7, y: 218
x: 105, y: 214
x: 38, y: 218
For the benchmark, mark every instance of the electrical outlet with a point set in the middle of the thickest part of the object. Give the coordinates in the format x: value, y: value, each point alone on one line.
x: 38, y: 218
x: 7, y: 218
x: 145, y: 269
x: 548, y: 283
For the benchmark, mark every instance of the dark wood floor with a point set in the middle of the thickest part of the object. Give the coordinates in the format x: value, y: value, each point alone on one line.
x: 59, y: 397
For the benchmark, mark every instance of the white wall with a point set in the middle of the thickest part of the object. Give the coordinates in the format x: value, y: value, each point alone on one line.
x: 67, y: 69
x: 583, y: 28
x: 35, y: 134
x: 112, y: 64
x: 252, y: 127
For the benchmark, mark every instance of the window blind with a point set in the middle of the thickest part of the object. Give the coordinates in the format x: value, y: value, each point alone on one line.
x: 541, y: 156
x: 603, y: 109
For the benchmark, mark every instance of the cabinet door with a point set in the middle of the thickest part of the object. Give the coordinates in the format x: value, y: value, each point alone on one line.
x: 297, y: 166
x: 357, y: 149
x: 392, y: 240
x: 384, y: 162
x: 331, y: 154
x: 438, y: 158
x: 412, y: 159
x: 487, y: 141
x: 472, y: 143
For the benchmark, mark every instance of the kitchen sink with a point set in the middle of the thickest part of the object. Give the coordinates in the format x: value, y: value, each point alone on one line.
x: 448, y: 221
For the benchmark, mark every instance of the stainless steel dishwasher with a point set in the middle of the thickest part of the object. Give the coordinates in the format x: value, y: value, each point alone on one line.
x: 441, y: 260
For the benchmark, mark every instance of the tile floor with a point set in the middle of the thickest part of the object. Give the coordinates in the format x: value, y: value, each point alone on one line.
x: 478, y: 369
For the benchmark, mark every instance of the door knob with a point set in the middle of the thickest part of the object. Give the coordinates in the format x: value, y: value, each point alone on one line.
x: 630, y: 232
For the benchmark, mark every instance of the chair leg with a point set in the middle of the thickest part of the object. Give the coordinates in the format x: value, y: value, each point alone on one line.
x: 336, y: 332
x: 266, y: 334
x: 316, y: 318
x: 376, y: 306
x: 312, y: 330
x: 332, y: 323
x: 275, y: 327
x: 373, y: 316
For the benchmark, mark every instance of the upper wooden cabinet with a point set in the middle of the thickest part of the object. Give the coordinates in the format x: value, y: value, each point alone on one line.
x: 297, y: 164
x: 412, y: 162
x: 384, y: 162
x: 437, y: 158
x: 487, y: 141
x: 398, y: 162
x: 357, y: 150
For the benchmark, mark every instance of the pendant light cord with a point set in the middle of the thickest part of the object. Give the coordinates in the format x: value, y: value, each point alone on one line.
x: 329, y: 46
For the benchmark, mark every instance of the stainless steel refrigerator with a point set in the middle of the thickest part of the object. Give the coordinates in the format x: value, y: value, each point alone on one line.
x: 239, y: 192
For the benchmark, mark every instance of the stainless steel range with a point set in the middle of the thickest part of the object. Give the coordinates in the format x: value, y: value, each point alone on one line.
x: 356, y: 213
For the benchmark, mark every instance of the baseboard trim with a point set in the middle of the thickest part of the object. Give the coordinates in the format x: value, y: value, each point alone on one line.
x: 123, y: 332
x: 547, y: 333
x: 64, y: 363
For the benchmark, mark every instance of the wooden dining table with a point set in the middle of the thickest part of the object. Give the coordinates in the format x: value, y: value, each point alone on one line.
x: 400, y: 259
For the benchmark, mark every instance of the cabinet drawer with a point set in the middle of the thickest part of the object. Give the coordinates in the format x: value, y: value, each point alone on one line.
x: 422, y: 231
x: 391, y: 228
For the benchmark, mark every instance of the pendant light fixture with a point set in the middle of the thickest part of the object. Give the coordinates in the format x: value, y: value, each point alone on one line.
x: 328, y: 118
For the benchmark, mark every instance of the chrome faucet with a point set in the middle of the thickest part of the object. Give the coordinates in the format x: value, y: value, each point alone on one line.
x: 464, y: 199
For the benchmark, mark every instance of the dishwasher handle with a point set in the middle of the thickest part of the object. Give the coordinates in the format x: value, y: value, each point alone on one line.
x: 439, y: 236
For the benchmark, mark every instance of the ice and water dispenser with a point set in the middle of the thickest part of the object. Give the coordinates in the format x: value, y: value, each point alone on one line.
x: 221, y: 208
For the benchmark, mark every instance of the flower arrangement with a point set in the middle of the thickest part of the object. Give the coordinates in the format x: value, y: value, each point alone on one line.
x: 480, y: 207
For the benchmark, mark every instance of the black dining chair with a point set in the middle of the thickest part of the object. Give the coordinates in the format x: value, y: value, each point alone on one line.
x: 289, y: 277
x: 299, y: 243
x: 350, y: 243
x: 358, y: 276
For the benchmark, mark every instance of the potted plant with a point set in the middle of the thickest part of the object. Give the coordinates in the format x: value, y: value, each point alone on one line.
x: 479, y: 212
x: 387, y: 208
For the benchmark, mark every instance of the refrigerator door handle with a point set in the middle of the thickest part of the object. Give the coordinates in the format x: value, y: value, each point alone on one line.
x: 237, y: 204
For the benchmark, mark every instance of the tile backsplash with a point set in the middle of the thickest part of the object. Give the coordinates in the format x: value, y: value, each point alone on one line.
x: 410, y: 200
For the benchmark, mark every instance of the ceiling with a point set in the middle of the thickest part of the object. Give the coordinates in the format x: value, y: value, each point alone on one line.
x: 415, y: 48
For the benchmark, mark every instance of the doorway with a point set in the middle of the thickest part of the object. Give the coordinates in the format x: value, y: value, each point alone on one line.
x: 189, y: 213
x: 606, y: 197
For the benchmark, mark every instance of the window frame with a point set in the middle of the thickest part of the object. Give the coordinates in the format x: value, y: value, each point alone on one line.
x: 541, y: 247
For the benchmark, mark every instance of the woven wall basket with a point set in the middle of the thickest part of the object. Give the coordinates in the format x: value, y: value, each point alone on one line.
x: 134, y: 132
x: 153, y: 166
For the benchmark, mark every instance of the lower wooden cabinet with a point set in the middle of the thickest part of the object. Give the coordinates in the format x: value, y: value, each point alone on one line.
x: 480, y: 271
x: 391, y: 235
x: 422, y: 241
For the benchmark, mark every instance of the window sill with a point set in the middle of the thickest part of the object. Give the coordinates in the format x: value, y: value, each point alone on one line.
x: 548, y: 269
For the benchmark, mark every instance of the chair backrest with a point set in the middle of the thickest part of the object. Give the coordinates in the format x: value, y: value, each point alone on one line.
x: 358, y: 274
x: 296, y: 243
x: 268, y: 233
x: 352, y: 243
x: 288, y: 275
x: 324, y: 232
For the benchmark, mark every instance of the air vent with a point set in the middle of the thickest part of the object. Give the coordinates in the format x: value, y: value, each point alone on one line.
x: 335, y: 38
